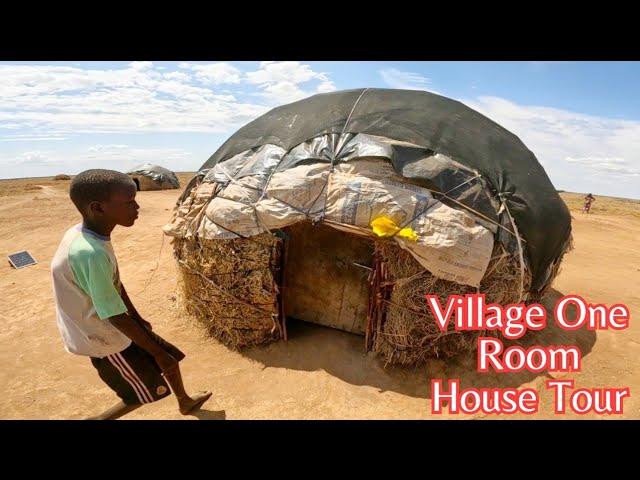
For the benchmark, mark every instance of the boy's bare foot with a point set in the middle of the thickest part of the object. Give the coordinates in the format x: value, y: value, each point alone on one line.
x: 190, y: 404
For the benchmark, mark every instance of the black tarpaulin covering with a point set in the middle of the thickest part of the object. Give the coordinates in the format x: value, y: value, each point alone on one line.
x: 437, y: 125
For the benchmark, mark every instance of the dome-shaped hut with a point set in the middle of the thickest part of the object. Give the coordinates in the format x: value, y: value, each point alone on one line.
x: 153, y: 177
x: 346, y: 208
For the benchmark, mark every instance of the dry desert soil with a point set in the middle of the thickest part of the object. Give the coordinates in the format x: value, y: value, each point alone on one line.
x: 319, y: 373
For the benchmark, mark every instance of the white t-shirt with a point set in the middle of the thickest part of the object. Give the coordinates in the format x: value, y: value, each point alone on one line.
x: 86, y: 288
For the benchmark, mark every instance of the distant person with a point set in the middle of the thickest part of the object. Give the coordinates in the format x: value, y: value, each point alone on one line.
x: 94, y: 313
x: 588, y: 200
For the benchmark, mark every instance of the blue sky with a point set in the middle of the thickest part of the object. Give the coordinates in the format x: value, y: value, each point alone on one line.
x: 581, y: 119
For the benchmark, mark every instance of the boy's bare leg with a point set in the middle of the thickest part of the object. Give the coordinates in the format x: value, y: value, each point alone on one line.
x: 116, y: 411
x: 168, y: 364
x: 185, y: 402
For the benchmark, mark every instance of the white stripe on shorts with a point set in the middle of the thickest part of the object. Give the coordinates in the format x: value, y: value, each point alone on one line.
x: 136, y: 388
x: 135, y: 375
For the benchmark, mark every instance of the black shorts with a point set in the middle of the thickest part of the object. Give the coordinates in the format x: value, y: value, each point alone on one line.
x: 134, y: 374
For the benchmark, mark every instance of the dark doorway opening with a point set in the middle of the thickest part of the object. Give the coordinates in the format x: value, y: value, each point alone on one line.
x: 326, y: 274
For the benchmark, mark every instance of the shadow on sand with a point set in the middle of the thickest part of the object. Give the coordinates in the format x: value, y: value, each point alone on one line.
x: 311, y: 347
x: 204, y: 414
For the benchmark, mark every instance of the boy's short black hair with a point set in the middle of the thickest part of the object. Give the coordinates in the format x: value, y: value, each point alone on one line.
x: 96, y: 186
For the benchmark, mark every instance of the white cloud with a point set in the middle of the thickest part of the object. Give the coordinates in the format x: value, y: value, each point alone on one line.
x: 106, y: 148
x: 123, y: 157
x: 180, y: 76
x: 40, y: 103
x: 214, y: 73
x: 280, y: 81
x: 574, y: 148
x: 616, y: 166
x: 31, y: 138
x: 326, y: 86
x: 141, y: 98
x: 596, y: 160
x: 134, y: 99
x: 274, y: 72
x: 405, y: 80
x: 34, y: 158
x: 141, y: 65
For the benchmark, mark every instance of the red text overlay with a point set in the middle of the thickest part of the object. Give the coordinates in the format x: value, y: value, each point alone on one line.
x: 571, y: 312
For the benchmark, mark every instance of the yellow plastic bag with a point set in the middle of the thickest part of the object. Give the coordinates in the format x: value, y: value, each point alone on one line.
x: 386, y: 227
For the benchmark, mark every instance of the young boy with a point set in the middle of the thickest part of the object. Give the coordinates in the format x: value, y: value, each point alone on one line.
x: 94, y: 313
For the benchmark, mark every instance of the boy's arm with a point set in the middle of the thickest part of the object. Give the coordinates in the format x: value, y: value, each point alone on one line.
x: 93, y: 273
x: 131, y: 309
x: 141, y: 337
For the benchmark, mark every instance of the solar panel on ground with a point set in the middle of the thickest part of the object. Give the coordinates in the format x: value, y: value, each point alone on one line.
x: 21, y: 259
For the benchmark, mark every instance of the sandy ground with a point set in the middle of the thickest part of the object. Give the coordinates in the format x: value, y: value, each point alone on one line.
x: 319, y: 373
